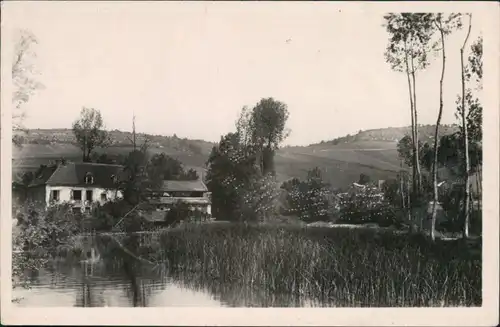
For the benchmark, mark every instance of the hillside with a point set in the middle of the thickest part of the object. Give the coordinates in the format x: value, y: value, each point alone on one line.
x: 371, y: 152
x: 119, y: 139
x: 393, y: 134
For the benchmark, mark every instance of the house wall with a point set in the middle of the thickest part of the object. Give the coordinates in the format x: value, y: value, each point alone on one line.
x: 65, y: 193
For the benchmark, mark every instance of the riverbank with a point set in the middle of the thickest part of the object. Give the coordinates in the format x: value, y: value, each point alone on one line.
x: 341, y: 267
x: 345, y: 267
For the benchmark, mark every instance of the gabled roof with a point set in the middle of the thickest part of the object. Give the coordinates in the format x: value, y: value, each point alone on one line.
x: 183, y: 186
x: 73, y: 174
x: 43, y: 176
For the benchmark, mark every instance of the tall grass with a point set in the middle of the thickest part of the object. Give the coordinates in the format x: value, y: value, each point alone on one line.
x: 341, y: 267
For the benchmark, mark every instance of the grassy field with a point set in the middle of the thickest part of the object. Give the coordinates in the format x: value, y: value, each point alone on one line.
x: 341, y: 164
x: 341, y: 267
x: 372, y: 152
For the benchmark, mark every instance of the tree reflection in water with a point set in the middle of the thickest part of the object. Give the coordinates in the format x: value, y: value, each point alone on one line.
x: 125, y: 259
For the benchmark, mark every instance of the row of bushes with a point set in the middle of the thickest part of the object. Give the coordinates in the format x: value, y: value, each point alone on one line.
x: 313, y: 200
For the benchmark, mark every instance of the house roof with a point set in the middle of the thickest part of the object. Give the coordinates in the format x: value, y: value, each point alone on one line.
x: 183, y: 186
x: 73, y: 174
x: 193, y: 201
x: 43, y: 176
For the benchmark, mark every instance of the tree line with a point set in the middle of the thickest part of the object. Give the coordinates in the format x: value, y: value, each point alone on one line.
x: 413, y: 38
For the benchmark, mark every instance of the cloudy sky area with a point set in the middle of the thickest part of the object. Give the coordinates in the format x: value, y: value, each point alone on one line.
x: 189, y: 68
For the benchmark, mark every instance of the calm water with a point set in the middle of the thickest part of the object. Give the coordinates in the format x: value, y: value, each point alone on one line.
x: 129, y: 283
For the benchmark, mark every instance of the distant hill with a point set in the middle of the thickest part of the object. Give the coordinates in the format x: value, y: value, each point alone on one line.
x: 119, y: 139
x: 393, y: 134
x: 341, y: 160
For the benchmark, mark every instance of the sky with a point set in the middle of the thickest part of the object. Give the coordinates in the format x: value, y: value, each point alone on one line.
x: 189, y: 68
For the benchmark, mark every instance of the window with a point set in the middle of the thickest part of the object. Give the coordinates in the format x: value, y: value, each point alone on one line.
x: 77, y: 195
x: 55, y: 195
x: 89, y: 195
x: 89, y: 179
x: 104, y: 197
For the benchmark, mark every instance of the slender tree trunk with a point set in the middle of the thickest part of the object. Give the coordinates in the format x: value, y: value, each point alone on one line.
x: 408, y: 200
x: 133, y: 134
x: 414, y: 172
x: 478, y: 186
x: 436, y: 139
x: 417, y: 145
x: 418, y: 180
x: 84, y: 149
x: 466, y: 143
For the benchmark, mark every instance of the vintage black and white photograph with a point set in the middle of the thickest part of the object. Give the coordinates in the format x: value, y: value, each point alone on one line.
x: 247, y: 155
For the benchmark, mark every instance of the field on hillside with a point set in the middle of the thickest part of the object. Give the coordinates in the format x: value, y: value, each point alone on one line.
x: 341, y: 164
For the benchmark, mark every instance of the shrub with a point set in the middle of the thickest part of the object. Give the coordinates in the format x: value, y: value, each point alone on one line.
x: 310, y: 199
x: 40, y: 234
x: 179, y: 212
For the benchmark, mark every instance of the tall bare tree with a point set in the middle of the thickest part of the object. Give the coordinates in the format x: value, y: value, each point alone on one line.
x: 469, y: 112
x: 445, y: 26
x: 23, y: 78
x: 465, y: 137
x: 409, y: 44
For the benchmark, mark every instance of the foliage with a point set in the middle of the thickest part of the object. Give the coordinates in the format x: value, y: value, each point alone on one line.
x: 88, y: 131
x: 135, y: 180
x: 23, y: 80
x: 267, y: 130
x: 364, y: 179
x: 106, y: 158
x: 162, y: 167
x: 40, y: 234
x: 410, y: 40
x: 117, y: 215
x: 368, y: 205
x: 450, y: 151
x: 258, y: 200
x: 178, y: 213
x: 309, y: 200
x: 474, y: 69
x: 241, y: 167
x: 231, y: 167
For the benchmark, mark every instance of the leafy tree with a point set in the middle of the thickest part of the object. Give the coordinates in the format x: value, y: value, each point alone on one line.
x: 263, y: 129
x: 89, y: 133
x: 24, y: 82
x: 240, y: 168
x: 163, y: 167
x: 105, y: 158
x: 135, y: 179
x: 231, y: 167
x: 364, y: 179
x: 407, y: 51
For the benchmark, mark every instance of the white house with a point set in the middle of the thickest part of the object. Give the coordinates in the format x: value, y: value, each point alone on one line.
x: 80, y: 184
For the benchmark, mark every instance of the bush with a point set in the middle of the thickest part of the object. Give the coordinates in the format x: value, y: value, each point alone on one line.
x: 369, y: 206
x: 309, y: 200
x: 120, y: 215
x: 41, y: 233
x: 178, y: 213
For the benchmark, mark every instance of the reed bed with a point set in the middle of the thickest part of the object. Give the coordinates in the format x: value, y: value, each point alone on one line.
x: 338, y: 267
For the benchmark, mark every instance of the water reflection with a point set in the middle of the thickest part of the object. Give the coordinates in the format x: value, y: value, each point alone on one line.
x: 113, y: 277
